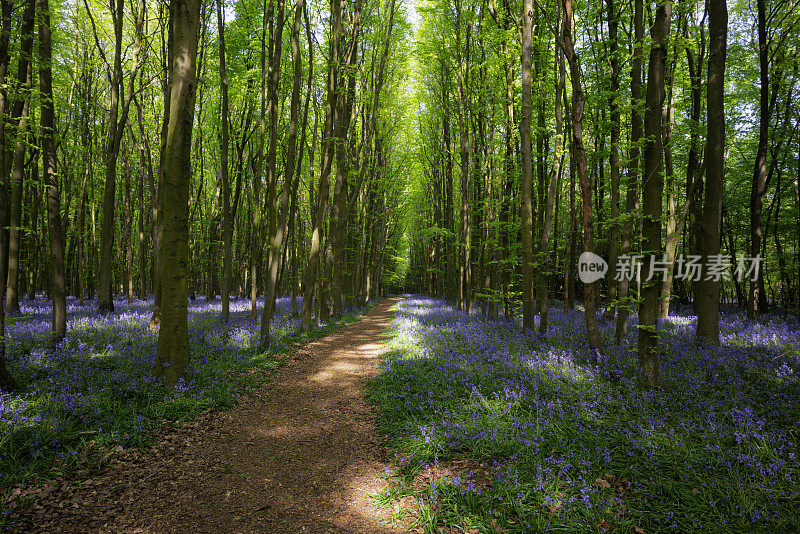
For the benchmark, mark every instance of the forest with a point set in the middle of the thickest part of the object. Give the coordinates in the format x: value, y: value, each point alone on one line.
x: 580, y: 219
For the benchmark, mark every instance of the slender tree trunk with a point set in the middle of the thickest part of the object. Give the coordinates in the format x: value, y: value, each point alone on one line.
x: 589, y: 290
x: 632, y: 193
x: 671, y: 223
x: 156, y: 191
x: 275, y: 255
x: 255, y: 243
x: 117, y: 119
x: 613, y: 231
x: 277, y: 243
x: 327, y: 157
x: 7, y: 382
x: 143, y: 178
x: 759, y: 183
x: 127, y: 244
x: 527, y: 169
x: 33, y: 280
x: 463, y: 66
x: 653, y: 188
x: 19, y: 112
x: 542, y: 296
x: 708, y: 291
x: 173, y: 338
x: 50, y: 179
x: 797, y: 229
x: 450, y: 251
x: 227, y: 215
x: 334, y: 261
x: 569, y: 262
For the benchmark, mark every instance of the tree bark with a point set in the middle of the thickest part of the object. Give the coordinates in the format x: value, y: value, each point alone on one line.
x: 277, y: 241
x: 173, y: 337
x: 127, y: 244
x: 632, y: 193
x: 7, y: 381
x: 613, y: 231
x: 20, y: 110
x: 117, y: 119
x: 708, y: 290
x: 589, y: 290
x: 527, y: 169
x: 227, y: 216
x: 465, y: 265
x: 652, y: 191
x: 49, y: 177
x: 327, y: 157
x: 334, y: 260
x: 542, y: 297
x: 156, y: 187
x: 759, y: 182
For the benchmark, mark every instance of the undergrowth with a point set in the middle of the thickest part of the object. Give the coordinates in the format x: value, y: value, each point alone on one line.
x: 496, y: 430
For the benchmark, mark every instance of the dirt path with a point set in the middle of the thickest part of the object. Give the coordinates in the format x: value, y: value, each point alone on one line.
x: 298, y: 454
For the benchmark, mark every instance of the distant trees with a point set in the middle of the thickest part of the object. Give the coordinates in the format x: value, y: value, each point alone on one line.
x: 637, y: 208
x: 441, y: 175
x: 207, y: 184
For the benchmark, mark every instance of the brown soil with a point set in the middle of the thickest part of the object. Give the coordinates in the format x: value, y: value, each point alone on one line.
x: 299, y: 454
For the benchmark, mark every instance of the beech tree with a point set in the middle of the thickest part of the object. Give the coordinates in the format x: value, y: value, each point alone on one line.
x: 173, y: 335
x: 707, y: 299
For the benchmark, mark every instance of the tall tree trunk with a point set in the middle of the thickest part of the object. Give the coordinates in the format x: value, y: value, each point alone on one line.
x: 613, y: 231
x: 277, y: 242
x: 127, y: 244
x: 157, y: 183
x: 759, y: 183
x: 334, y: 261
x: 797, y: 229
x: 569, y: 260
x: 173, y: 337
x: 145, y: 177
x: 255, y: 243
x: 542, y: 297
x: 450, y: 251
x: 589, y: 290
x: 465, y: 265
x: 49, y: 177
x: 33, y: 263
x: 117, y: 119
x: 275, y: 255
x: 652, y: 191
x: 19, y: 112
x: 227, y: 215
x: 632, y: 193
x: 327, y: 157
x: 671, y: 223
x: 708, y: 291
x: 527, y: 169
x: 7, y: 382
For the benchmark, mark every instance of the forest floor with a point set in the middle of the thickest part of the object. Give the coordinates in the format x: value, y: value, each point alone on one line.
x: 300, y: 453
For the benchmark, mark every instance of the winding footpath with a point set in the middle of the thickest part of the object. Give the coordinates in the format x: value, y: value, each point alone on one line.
x: 299, y: 454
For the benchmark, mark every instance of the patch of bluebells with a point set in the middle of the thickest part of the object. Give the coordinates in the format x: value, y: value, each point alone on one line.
x: 97, y: 384
x: 716, y: 448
